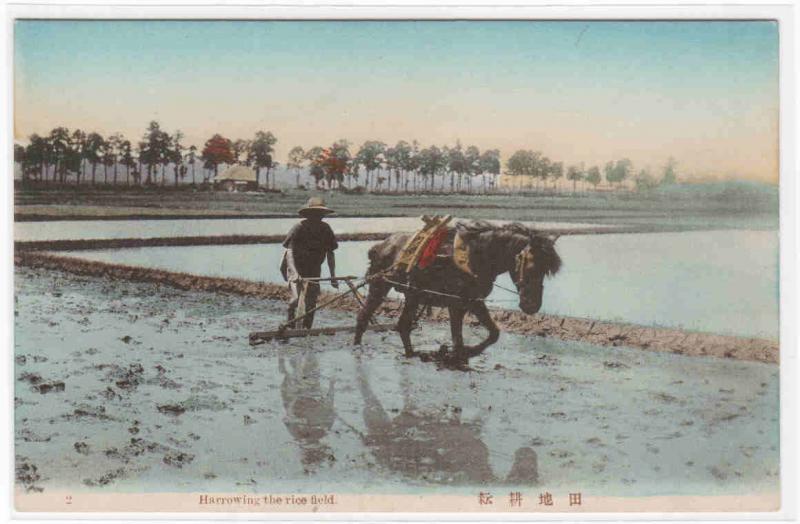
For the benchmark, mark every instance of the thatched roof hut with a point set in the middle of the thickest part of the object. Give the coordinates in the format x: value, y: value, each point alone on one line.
x: 237, y: 173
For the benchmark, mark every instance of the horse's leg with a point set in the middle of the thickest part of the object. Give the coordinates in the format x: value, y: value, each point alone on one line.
x: 378, y: 290
x: 482, y: 314
x: 457, y: 313
x: 406, y: 322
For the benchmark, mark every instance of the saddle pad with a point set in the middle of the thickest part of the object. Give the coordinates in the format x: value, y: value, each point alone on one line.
x: 431, y: 248
x: 411, y: 252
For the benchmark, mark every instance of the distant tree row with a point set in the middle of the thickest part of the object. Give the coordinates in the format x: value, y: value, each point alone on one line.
x: 66, y: 156
x: 540, y: 169
x: 63, y: 156
x: 402, y: 167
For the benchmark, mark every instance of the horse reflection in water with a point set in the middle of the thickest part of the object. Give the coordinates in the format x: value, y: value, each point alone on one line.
x: 433, y: 445
x: 309, y: 413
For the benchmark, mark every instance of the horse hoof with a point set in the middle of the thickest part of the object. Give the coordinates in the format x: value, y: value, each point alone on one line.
x: 456, y: 360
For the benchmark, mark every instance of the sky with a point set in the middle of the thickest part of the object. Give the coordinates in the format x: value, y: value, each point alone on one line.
x: 705, y: 93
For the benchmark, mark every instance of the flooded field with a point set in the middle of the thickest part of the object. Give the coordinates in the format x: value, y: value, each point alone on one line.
x: 714, y: 281
x: 97, y: 229
x: 160, y: 391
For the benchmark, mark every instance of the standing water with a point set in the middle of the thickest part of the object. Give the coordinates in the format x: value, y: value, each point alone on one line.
x: 111, y: 229
x: 713, y: 281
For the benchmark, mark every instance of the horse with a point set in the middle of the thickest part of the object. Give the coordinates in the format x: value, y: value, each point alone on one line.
x: 527, y: 254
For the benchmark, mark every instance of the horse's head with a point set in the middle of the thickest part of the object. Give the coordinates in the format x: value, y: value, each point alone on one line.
x: 535, y: 261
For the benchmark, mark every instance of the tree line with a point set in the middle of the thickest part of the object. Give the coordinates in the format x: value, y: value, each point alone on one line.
x: 403, y: 167
x: 539, y: 169
x: 65, y: 156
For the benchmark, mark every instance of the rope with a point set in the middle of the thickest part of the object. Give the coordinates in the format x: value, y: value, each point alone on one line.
x: 430, y: 291
x: 506, y: 289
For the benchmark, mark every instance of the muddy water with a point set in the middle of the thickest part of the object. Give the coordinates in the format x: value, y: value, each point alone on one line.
x: 715, y: 281
x: 162, y: 392
x: 98, y: 229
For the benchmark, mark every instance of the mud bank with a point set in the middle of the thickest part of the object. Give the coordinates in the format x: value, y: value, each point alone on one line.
x: 45, y: 217
x: 161, y: 393
x: 118, y: 243
x: 565, y: 328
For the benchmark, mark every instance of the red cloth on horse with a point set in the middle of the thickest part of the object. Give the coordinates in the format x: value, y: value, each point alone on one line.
x: 431, y: 248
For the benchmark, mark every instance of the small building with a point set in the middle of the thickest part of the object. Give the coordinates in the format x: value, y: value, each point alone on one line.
x: 236, y: 178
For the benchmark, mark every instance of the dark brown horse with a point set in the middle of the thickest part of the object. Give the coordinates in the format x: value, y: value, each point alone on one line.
x: 528, y: 255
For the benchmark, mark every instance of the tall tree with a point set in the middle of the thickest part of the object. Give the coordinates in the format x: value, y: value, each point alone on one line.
x: 472, y: 165
x: 154, y: 148
x: 518, y: 163
x: 315, y: 157
x: 107, y: 157
x: 297, y: 158
x: 608, y: 171
x: 556, y: 172
x: 575, y: 175
x: 392, y: 164
x: 34, y: 157
x: 622, y: 171
x: 78, y: 147
x: 644, y: 181
x: 19, y: 154
x: 240, y: 149
x: 176, y: 156
x: 593, y: 176
x: 403, y: 154
x: 191, y: 159
x: 371, y: 156
x: 413, y: 163
x: 217, y: 150
x: 259, y: 153
x: 115, y: 142
x: 490, y: 164
x: 456, y: 164
x: 95, y: 146
x: 39, y: 153
x: 336, y: 162
x: 670, y: 175
x: 59, y: 141
x: 126, y: 159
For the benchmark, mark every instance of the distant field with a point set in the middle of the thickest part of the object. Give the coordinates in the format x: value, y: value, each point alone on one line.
x: 718, y: 206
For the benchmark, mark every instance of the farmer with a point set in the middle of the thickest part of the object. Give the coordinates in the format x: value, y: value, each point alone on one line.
x: 307, y: 245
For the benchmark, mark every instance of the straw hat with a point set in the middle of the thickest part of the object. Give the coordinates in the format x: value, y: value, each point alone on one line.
x: 313, y: 206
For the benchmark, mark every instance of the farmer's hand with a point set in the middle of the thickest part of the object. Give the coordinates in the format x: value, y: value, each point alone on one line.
x: 334, y: 284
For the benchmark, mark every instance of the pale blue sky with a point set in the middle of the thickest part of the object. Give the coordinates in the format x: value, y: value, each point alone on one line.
x: 705, y: 92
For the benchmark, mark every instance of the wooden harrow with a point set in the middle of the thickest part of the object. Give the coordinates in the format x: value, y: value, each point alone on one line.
x: 284, y: 331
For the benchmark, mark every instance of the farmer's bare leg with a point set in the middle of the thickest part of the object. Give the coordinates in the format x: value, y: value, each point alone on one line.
x: 406, y: 322
x: 378, y: 290
x: 485, y: 318
x: 296, y: 290
x: 456, y: 326
x: 311, y: 295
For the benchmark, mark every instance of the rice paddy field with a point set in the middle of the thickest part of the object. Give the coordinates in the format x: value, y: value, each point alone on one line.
x: 141, y: 387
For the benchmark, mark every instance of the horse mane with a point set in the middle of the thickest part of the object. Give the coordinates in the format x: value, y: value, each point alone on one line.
x: 542, y: 244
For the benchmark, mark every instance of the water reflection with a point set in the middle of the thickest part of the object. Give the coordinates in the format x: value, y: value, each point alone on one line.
x: 648, y: 279
x: 309, y: 412
x: 433, y: 445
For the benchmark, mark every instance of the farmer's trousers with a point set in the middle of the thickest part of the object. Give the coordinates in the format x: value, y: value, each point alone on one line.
x: 304, y: 294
